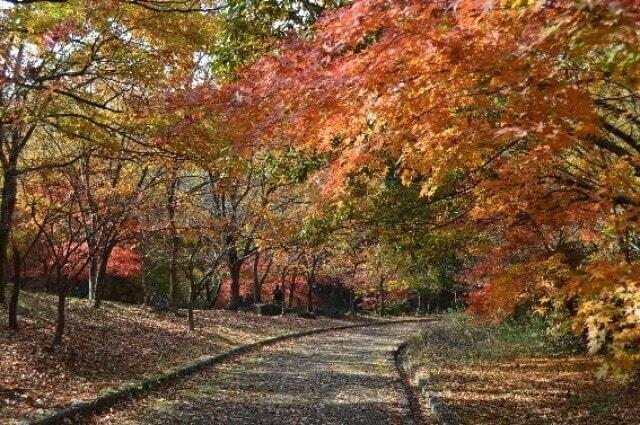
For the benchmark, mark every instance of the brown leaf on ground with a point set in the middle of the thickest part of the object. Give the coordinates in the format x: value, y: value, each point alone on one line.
x: 513, y: 387
x: 106, y: 347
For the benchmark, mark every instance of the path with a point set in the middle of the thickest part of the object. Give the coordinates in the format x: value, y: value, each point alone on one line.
x: 344, y: 377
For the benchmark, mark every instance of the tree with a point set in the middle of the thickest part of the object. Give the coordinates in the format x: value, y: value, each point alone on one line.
x: 203, y: 258
x: 108, y: 190
x: 58, y: 221
x: 77, y: 69
x: 25, y: 239
x: 540, y: 139
x: 251, y: 26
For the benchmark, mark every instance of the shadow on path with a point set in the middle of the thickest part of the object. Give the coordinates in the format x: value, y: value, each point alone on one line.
x: 345, y: 377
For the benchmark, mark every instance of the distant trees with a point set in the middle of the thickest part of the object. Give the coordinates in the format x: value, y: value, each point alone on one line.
x: 75, y: 136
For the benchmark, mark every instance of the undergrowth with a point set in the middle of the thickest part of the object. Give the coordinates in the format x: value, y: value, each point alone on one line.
x: 459, y: 337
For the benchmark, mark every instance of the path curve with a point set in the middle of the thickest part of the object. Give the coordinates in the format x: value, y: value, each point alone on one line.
x: 341, y: 377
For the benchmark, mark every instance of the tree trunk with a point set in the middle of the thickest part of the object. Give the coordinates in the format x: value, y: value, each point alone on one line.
x: 235, y: 266
x: 93, y: 277
x: 213, y: 297
x: 309, y: 297
x: 173, y: 276
x: 15, y: 293
x: 212, y: 289
x: 234, y: 300
x: 311, y: 280
x: 192, y: 301
x: 207, y: 292
x: 7, y: 207
x: 381, y: 295
x: 257, y: 284
x: 283, y: 285
x: 102, y: 274
x: 62, y: 298
x: 292, y: 288
x: 145, y: 289
x: 351, y: 310
x: 419, y: 305
x: 47, y: 278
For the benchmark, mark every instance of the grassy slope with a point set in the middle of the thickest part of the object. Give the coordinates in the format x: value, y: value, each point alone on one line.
x: 512, y: 375
x: 110, y: 346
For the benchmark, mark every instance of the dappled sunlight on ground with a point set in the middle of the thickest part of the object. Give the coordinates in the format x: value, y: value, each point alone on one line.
x: 345, y: 377
x: 110, y: 346
x: 519, y: 389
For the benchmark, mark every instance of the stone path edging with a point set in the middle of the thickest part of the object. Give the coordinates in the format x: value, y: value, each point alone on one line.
x: 412, y: 400
x: 438, y: 407
x: 133, y: 389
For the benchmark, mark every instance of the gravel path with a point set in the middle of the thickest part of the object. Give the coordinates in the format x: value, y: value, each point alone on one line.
x: 344, y: 377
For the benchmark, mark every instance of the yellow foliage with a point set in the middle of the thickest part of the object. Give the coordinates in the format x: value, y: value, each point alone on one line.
x: 611, y: 319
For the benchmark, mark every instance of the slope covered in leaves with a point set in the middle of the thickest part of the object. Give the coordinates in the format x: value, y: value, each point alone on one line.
x: 515, y: 375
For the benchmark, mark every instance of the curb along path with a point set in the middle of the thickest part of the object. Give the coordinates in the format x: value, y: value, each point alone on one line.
x: 417, y: 390
x: 137, y: 388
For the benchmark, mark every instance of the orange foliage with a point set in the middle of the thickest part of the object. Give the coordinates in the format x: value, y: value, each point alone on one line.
x: 532, y: 103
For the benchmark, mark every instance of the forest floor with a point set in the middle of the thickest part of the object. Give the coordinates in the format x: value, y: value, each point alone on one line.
x: 106, y: 347
x: 514, y: 375
x: 506, y: 375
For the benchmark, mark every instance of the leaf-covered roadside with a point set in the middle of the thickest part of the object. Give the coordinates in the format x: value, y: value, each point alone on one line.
x: 110, y: 346
x: 516, y: 375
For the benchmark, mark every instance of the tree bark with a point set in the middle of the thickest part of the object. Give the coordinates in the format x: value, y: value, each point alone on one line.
x: 381, y: 293
x: 173, y: 276
x: 102, y: 274
x: 62, y: 298
x: 234, y: 300
x: 283, y: 285
x: 212, y: 296
x: 351, y: 310
x: 173, y: 282
x: 192, y: 301
x: 309, y: 296
x: 7, y: 207
x: 235, y: 266
x: 311, y: 280
x: 257, y: 284
x: 47, y: 276
x: 258, y: 280
x: 15, y: 293
x: 146, y: 296
x: 207, y: 293
x: 292, y: 289
x: 93, y: 277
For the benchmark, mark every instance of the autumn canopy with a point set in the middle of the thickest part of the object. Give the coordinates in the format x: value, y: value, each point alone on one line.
x: 426, y: 155
x: 528, y: 112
